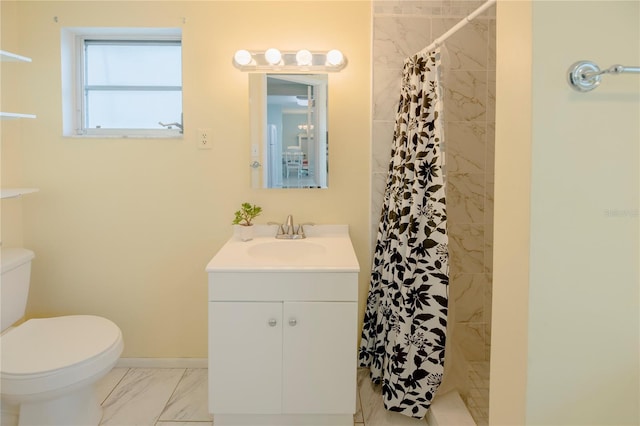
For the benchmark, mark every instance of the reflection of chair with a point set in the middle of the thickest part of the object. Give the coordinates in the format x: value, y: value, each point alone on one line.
x: 293, y: 162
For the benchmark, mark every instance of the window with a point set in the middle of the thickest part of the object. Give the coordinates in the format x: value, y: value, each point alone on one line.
x: 126, y: 84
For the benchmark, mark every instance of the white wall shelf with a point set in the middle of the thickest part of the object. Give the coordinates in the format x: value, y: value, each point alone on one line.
x: 12, y: 57
x: 14, y: 116
x: 16, y: 192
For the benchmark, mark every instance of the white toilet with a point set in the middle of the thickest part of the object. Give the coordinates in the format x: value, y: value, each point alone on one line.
x: 49, y: 366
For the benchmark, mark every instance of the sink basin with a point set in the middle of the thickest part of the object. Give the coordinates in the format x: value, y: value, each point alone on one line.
x: 284, y: 250
x: 326, y: 248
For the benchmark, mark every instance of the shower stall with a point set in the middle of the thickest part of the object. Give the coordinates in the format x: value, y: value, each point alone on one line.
x: 400, y: 29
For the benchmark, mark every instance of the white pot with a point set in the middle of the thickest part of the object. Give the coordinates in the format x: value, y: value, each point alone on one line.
x: 245, y: 233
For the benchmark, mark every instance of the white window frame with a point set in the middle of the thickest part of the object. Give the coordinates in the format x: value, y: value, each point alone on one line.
x: 73, y: 69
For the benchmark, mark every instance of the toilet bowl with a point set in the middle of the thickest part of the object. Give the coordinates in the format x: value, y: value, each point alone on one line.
x: 49, y: 366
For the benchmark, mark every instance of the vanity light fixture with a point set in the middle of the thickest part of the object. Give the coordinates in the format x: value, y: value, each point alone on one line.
x: 334, y: 57
x: 273, y: 56
x: 304, y: 57
x: 302, y: 60
x: 243, y: 57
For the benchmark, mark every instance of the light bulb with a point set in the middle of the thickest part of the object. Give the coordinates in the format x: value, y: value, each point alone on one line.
x: 242, y: 57
x: 334, y: 57
x: 304, y: 57
x: 273, y: 56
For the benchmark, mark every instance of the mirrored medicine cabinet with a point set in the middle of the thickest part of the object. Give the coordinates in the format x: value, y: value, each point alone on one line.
x: 289, y: 146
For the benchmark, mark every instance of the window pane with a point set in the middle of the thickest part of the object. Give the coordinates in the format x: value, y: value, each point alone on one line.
x: 133, y: 64
x: 132, y: 110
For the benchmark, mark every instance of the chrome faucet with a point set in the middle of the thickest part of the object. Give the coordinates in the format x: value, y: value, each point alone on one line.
x: 288, y: 231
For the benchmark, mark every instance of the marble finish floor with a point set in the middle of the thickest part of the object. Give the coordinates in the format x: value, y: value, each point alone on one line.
x: 178, y: 397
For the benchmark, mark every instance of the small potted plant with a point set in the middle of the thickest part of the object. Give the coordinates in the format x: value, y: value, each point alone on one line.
x: 244, y: 217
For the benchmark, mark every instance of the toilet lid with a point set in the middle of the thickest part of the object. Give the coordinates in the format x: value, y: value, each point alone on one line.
x: 48, y: 344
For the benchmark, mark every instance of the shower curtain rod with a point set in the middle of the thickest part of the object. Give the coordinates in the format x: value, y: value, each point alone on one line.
x: 438, y: 41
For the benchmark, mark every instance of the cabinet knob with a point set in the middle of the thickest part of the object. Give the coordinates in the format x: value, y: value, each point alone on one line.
x: 272, y: 322
x: 293, y: 322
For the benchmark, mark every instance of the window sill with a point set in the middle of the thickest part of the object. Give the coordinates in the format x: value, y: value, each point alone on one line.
x: 178, y: 137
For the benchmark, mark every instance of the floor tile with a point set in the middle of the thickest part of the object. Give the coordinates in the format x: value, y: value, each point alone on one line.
x: 140, y: 396
x: 184, y: 424
x: 105, y: 385
x: 189, y: 401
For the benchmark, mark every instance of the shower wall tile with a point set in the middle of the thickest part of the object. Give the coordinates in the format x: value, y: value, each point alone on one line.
x: 488, y: 248
x: 396, y: 38
x: 490, y: 151
x: 487, y: 341
x: 465, y: 198
x: 491, y: 97
x: 386, y: 93
x: 466, y: 49
x: 463, y: 8
x: 427, y: 7
x: 381, y: 145
x: 378, y: 184
x: 488, y: 295
x: 467, y: 293
x: 471, y: 338
x: 385, y: 7
x: 465, y: 147
x: 466, y: 248
x: 465, y: 95
x: 488, y: 201
x: 491, y: 49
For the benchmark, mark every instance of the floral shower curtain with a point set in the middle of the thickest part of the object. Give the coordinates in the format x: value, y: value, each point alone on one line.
x: 406, y: 316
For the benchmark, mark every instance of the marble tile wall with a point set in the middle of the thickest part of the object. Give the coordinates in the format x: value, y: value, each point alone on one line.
x: 400, y: 29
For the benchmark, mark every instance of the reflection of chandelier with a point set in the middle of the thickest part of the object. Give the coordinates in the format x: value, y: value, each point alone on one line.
x: 304, y: 101
x: 305, y: 127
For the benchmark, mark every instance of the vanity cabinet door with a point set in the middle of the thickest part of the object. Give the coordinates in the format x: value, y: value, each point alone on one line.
x: 245, y: 357
x: 319, y: 357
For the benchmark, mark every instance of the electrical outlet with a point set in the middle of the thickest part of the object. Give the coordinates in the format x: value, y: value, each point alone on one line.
x: 204, y: 139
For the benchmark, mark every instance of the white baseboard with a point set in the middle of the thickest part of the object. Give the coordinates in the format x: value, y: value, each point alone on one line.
x: 162, y: 362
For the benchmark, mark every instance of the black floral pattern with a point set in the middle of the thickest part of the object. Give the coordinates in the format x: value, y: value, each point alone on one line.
x: 405, y: 321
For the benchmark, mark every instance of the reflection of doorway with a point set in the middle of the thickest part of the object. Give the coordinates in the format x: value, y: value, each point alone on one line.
x: 296, y: 106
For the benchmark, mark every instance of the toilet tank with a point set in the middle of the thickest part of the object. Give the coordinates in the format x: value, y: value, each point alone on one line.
x: 14, y: 284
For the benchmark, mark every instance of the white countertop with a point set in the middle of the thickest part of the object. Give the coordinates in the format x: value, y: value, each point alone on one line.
x: 327, y: 248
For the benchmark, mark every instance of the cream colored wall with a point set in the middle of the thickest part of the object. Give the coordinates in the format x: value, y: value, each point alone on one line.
x: 511, y: 214
x: 584, y: 319
x: 574, y: 358
x: 124, y: 228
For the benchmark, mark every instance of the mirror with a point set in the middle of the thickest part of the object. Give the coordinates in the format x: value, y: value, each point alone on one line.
x: 288, y: 130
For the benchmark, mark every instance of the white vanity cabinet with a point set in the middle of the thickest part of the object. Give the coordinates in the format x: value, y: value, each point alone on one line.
x: 282, y: 357
x: 282, y: 345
